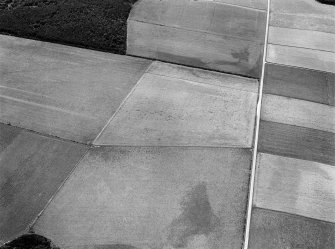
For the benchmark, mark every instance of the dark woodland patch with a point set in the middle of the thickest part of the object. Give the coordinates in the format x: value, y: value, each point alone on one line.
x: 30, y: 241
x: 331, y: 2
x: 97, y: 24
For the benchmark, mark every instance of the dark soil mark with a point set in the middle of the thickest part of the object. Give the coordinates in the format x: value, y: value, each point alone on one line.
x: 97, y: 24
x: 30, y: 241
x: 197, y: 217
x: 242, y: 55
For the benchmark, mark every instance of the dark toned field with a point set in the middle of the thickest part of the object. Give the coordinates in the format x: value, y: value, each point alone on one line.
x: 97, y: 24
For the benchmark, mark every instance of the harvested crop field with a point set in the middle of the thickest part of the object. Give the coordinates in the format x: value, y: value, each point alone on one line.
x: 96, y: 24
